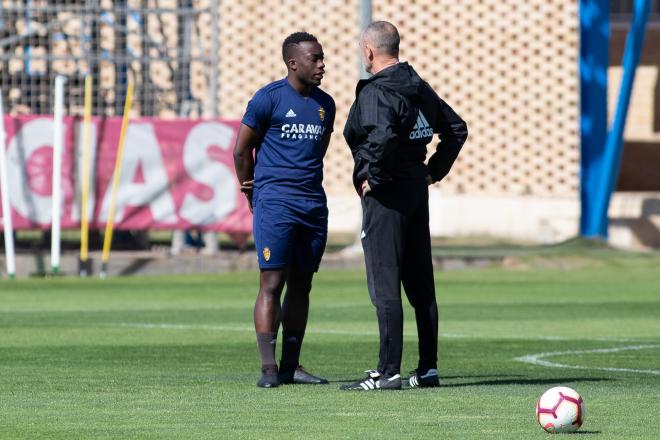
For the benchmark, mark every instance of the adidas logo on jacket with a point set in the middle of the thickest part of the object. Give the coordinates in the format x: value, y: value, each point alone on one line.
x: 422, y: 129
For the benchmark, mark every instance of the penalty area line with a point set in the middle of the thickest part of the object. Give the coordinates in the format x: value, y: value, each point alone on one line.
x: 329, y: 331
x: 539, y: 359
x: 246, y: 328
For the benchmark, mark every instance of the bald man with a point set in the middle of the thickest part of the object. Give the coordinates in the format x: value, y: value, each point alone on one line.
x: 288, y: 123
x: 393, y: 118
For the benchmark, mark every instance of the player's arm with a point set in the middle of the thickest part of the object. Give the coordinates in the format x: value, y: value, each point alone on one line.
x: 246, y: 141
x: 453, y: 134
x: 326, y: 142
x: 330, y: 127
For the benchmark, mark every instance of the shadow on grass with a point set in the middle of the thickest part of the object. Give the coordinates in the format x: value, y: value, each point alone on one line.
x: 551, y: 381
x: 471, y: 376
x: 511, y: 380
x: 464, y: 376
x: 342, y: 381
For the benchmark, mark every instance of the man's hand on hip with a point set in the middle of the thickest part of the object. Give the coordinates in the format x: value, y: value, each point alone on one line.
x: 364, y: 188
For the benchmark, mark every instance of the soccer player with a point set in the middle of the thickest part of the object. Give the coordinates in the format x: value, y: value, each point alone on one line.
x: 288, y: 123
x: 393, y: 118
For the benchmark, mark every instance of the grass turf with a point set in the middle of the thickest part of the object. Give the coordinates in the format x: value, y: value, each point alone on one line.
x: 175, y: 357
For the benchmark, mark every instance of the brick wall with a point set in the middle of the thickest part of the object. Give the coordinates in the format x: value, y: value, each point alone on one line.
x: 508, y: 67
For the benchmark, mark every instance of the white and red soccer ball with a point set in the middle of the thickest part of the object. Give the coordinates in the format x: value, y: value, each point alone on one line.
x: 560, y: 409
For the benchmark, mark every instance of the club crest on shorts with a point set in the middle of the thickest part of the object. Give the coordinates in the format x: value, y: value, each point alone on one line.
x: 322, y: 113
x: 266, y: 253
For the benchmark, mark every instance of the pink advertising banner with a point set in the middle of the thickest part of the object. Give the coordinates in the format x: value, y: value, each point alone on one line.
x: 175, y: 174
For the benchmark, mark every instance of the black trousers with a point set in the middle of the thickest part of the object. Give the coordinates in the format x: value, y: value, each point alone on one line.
x: 397, y: 249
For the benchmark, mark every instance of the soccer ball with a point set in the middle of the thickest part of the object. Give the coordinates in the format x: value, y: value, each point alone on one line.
x: 560, y: 409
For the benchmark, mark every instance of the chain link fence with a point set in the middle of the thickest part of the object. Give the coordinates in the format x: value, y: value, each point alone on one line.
x: 169, y: 48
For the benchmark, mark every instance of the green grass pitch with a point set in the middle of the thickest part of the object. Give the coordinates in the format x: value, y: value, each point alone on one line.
x: 175, y: 357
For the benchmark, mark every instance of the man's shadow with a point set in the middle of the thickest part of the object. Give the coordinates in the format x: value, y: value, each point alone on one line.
x: 533, y: 381
x: 510, y: 380
x: 646, y: 228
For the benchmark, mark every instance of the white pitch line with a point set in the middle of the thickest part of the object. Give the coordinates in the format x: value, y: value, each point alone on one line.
x: 249, y: 328
x: 245, y: 328
x: 232, y: 328
x: 537, y: 359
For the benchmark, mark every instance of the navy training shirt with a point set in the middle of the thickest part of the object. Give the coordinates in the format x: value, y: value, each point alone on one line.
x: 289, y: 160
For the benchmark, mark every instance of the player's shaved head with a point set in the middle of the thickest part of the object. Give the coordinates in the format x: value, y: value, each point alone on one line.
x: 292, y: 42
x: 382, y: 36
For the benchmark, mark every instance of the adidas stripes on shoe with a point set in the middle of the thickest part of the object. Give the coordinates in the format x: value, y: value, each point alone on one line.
x: 426, y: 380
x: 374, y: 381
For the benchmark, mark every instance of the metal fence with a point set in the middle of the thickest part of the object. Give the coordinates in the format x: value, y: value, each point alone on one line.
x: 167, y: 47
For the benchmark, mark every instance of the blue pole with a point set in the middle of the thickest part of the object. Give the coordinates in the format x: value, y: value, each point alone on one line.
x: 366, y: 17
x: 614, y: 145
x: 594, y: 60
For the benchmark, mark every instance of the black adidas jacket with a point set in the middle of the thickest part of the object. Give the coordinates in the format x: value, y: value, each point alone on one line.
x: 393, y: 118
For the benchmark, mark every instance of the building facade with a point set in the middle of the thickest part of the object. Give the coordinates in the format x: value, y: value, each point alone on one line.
x: 509, y: 67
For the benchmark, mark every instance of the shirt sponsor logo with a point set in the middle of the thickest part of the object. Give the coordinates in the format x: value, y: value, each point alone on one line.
x: 290, y: 114
x: 302, y: 131
x: 422, y: 129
